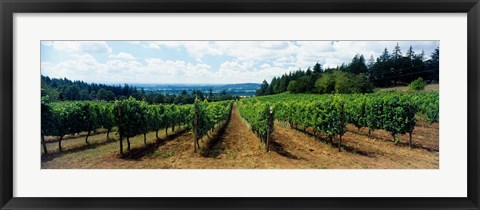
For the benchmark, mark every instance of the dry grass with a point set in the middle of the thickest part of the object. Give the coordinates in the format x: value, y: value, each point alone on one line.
x: 429, y: 87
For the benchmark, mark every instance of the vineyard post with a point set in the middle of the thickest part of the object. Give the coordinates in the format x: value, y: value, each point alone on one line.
x: 269, y: 127
x: 342, y: 116
x: 145, y: 138
x: 120, y: 129
x: 195, y: 128
x: 410, y: 130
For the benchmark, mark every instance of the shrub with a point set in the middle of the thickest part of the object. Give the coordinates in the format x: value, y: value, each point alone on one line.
x: 417, y: 84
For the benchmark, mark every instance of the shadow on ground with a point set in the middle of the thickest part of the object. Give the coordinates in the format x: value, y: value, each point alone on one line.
x: 136, y: 154
x: 335, y: 144
x: 279, y: 148
x: 53, y: 155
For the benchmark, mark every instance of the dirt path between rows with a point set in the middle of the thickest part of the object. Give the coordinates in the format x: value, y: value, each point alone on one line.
x: 237, y: 147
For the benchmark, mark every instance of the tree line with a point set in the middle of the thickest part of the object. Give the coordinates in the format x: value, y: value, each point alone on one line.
x: 359, y: 76
x: 68, y: 90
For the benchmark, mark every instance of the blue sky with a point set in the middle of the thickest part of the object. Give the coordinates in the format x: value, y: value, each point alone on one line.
x: 201, y: 62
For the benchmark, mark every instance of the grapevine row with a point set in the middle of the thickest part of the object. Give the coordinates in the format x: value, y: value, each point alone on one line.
x: 329, y: 114
x: 130, y: 116
x: 260, y: 116
x: 137, y: 117
x: 426, y: 103
x: 206, y: 115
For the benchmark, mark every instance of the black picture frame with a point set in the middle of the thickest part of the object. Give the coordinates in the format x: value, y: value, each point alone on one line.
x: 10, y: 7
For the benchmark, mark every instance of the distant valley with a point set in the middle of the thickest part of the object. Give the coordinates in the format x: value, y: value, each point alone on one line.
x: 242, y: 89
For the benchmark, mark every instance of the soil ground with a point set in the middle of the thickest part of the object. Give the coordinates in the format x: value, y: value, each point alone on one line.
x: 233, y: 145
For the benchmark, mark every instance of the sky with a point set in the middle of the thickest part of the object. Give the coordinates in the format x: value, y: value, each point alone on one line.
x: 202, y: 62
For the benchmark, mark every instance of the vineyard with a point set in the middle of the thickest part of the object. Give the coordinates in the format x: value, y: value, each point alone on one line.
x: 277, y: 131
x: 330, y: 114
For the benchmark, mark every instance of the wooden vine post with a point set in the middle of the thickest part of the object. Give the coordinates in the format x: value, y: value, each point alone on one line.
x: 195, y: 128
x: 342, y: 119
x: 120, y: 129
x: 412, y: 126
x: 269, y: 127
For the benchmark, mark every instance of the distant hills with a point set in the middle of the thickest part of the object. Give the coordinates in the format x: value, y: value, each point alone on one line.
x: 241, y: 89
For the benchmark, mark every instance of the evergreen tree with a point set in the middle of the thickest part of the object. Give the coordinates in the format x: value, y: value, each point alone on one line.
x: 308, y: 72
x: 263, y: 90
x: 358, y: 65
x: 397, y: 53
x: 317, y: 68
x: 385, y: 57
x: 371, y: 62
x: 410, y: 53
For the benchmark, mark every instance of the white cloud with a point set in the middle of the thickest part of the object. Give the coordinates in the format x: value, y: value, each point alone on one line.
x: 257, y: 50
x: 245, y: 72
x: 122, y: 55
x: 301, y: 54
x: 265, y: 65
x: 85, y: 67
x: 80, y: 47
x: 241, y: 50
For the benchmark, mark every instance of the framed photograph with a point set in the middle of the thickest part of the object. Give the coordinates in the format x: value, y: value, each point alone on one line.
x: 239, y: 105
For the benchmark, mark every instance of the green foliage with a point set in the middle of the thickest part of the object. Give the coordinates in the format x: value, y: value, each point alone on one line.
x: 70, y: 93
x: 324, y: 115
x: 105, y: 95
x: 398, y: 115
x: 48, y: 119
x: 343, y: 82
x: 393, y: 112
x: 417, y: 84
x: 292, y: 86
x: 62, y: 118
x: 326, y: 84
x: 358, y: 66
x: 67, y: 90
x: 257, y: 115
x: 264, y: 89
x: 130, y: 115
x: 356, y: 109
x: 106, y: 116
x: 90, y: 116
x: 427, y: 104
x: 209, y: 114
